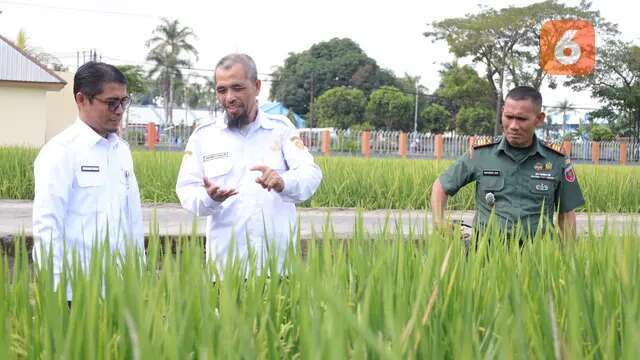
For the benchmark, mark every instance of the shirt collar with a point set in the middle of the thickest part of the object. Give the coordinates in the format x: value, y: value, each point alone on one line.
x: 261, y: 121
x: 91, y: 137
x: 537, y: 148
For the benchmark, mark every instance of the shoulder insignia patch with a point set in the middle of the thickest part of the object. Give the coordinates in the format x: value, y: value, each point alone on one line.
x: 298, y: 142
x: 555, y: 147
x: 484, y: 141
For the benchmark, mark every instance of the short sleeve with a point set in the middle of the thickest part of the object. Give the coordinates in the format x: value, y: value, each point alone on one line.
x: 569, y: 194
x: 458, y: 175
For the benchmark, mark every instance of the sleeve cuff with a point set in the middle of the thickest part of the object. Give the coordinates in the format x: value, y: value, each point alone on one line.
x: 210, y: 203
x: 289, y: 190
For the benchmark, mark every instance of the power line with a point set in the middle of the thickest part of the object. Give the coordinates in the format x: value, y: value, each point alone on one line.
x: 61, y: 8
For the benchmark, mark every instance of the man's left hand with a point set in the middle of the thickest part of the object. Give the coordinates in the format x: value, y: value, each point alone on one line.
x: 270, y: 178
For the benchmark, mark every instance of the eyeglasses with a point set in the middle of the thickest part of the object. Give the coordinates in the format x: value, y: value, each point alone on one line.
x: 112, y: 104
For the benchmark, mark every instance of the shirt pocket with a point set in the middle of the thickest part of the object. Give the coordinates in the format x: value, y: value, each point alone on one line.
x: 86, y: 195
x: 543, y: 187
x: 217, y: 169
x: 90, y: 179
x: 491, y: 183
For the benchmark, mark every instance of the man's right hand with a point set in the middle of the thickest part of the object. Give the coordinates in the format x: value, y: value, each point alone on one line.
x: 215, y: 192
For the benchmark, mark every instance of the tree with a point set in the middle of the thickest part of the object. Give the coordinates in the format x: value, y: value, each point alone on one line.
x: 137, y: 83
x: 475, y: 121
x: 435, y: 119
x: 169, y: 42
x: 22, y: 43
x: 462, y: 86
x: 340, y: 107
x: 599, y: 132
x: 411, y: 85
x: 616, y: 82
x: 562, y: 108
x: 507, y: 42
x: 337, y: 62
x: 391, y: 109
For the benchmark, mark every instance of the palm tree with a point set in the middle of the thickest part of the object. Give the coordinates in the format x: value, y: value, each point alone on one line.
x: 170, y: 40
x: 22, y: 43
x: 563, y: 107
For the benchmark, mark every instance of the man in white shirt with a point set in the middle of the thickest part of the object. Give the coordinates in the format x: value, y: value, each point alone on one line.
x: 245, y: 171
x: 85, y: 188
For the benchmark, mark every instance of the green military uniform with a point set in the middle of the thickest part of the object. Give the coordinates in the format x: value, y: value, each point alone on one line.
x: 525, y: 183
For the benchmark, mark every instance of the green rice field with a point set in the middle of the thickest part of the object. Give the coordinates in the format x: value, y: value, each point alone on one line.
x: 348, y: 182
x: 392, y: 298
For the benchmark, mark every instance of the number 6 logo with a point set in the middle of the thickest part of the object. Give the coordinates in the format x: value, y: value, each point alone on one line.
x: 567, y: 47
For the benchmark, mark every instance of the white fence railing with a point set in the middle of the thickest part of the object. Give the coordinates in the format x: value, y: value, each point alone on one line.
x: 382, y: 143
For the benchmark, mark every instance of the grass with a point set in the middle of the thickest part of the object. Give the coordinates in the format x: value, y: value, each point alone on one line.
x: 347, y: 182
x: 392, y: 298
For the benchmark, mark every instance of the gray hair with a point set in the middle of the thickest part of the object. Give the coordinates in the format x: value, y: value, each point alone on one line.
x: 243, y: 59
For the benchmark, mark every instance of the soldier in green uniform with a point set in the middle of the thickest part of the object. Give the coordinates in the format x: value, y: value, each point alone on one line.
x: 523, y: 179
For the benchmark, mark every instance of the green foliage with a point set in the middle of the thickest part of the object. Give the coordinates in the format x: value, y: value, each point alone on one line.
x: 169, y: 50
x: 340, y: 107
x: 390, y: 109
x: 365, y: 126
x: 137, y: 82
x: 475, y: 121
x: 347, y: 182
x: 337, y: 62
x: 462, y: 86
x: 599, y: 132
x: 435, y: 119
x: 507, y: 41
x: 616, y: 82
x: 372, y: 296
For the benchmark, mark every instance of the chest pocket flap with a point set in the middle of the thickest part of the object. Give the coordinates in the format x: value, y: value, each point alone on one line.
x: 90, y: 178
x: 491, y: 183
x: 217, y: 167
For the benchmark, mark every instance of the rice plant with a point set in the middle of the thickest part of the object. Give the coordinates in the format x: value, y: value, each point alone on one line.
x: 382, y: 295
x: 347, y: 182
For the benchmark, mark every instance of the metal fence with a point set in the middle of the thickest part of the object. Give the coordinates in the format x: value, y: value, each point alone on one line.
x: 171, y: 138
x: 382, y: 143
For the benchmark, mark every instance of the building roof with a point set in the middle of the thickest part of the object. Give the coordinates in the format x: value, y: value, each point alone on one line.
x: 19, y: 68
x: 279, y: 109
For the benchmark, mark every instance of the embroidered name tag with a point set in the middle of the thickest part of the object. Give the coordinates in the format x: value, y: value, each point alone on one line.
x: 543, y: 176
x: 210, y: 157
x: 491, y: 172
x: 90, y: 168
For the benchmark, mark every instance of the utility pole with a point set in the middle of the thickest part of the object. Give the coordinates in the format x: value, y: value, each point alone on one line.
x: 415, y: 115
x: 311, y: 99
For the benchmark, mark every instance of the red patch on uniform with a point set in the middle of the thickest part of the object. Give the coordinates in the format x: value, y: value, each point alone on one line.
x: 569, y: 174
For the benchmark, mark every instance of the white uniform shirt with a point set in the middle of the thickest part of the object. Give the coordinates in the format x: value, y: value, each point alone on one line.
x: 254, y: 218
x: 84, y: 187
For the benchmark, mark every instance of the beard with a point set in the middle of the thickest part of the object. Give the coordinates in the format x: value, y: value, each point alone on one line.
x: 237, y: 122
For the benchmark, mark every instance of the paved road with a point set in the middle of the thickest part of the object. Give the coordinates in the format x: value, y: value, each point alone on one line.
x: 15, y: 218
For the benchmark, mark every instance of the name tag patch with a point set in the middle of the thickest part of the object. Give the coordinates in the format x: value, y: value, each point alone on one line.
x: 90, y: 168
x: 222, y: 155
x: 491, y: 172
x: 543, y: 176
